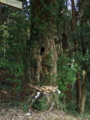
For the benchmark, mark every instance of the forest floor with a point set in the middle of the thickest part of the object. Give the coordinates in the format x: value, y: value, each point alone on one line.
x: 17, y: 113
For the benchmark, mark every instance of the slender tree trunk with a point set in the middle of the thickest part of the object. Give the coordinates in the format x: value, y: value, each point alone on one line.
x: 25, y: 74
x: 80, y: 86
x: 78, y: 91
x: 0, y: 13
x: 0, y: 21
x: 23, y: 95
x: 83, y: 91
x: 84, y: 77
x: 73, y: 15
x: 78, y: 83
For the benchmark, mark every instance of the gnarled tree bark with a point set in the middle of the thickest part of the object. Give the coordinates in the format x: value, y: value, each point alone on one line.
x: 44, y: 54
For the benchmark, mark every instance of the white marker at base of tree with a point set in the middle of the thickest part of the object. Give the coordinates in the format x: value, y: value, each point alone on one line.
x: 13, y: 3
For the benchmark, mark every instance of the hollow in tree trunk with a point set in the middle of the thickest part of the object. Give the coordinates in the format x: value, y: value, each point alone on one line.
x: 44, y: 55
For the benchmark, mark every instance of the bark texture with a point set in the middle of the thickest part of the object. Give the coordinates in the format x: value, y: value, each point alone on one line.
x: 44, y: 54
x: 81, y: 83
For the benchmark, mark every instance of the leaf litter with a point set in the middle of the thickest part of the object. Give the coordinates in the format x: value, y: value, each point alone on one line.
x: 17, y: 113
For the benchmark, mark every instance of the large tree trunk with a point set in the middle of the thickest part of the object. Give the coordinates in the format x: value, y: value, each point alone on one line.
x: 44, y: 55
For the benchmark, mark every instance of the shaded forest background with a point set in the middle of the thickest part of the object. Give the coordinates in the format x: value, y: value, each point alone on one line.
x: 46, y: 44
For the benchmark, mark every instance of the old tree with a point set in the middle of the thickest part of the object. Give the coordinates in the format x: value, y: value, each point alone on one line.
x: 44, y: 54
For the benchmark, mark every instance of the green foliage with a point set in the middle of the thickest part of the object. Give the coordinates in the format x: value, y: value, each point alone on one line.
x: 66, y: 72
x: 25, y: 106
x: 55, y: 97
x: 15, y: 68
x: 71, y: 107
x: 81, y: 60
x: 41, y: 104
x: 48, y: 61
x: 13, y: 50
x: 14, y: 71
x: 49, y: 101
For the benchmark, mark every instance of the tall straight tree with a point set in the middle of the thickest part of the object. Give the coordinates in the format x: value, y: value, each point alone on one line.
x: 81, y: 81
x: 84, y: 41
x: 43, y: 52
x: 78, y: 83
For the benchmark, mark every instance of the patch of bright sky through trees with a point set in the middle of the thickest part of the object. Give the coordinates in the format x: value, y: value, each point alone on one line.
x: 69, y: 4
